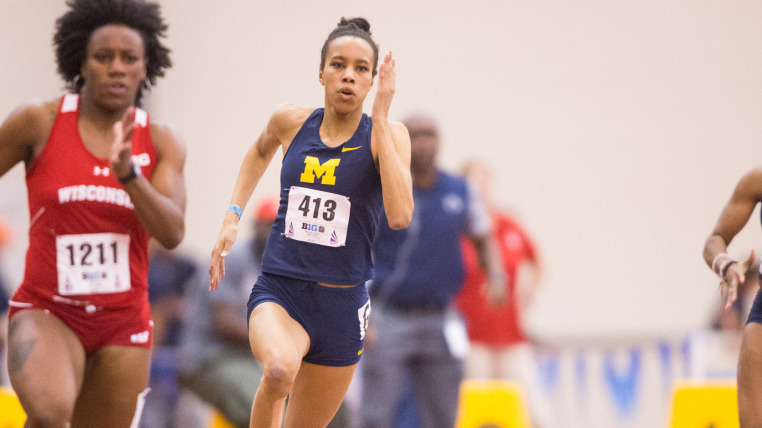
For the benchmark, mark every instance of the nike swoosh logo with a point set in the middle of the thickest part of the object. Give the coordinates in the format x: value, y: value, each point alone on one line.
x: 349, y: 149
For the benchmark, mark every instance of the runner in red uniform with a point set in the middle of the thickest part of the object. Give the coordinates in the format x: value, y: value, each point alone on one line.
x: 101, y: 180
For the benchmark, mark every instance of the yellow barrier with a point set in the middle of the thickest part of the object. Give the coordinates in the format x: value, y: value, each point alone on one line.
x: 498, y: 404
x: 11, y: 413
x: 216, y: 420
x: 704, y: 404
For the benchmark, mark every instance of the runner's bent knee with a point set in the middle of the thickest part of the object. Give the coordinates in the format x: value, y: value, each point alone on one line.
x: 278, y: 377
x: 49, y: 411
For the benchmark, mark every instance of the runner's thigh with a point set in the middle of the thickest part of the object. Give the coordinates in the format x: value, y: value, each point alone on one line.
x: 750, y: 376
x: 45, y: 364
x: 317, y: 394
x: 115, y: 376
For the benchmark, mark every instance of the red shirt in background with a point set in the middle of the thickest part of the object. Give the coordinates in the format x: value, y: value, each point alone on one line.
x: 487, y: 324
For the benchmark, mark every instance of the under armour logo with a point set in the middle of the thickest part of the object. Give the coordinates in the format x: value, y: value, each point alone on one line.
x: 141, y: 337
x: 100, y: 171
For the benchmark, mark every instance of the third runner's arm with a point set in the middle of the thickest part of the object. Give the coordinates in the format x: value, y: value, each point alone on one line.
x: 733, y: 218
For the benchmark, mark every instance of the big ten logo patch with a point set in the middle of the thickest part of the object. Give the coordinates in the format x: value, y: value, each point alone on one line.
x: 325, y: 171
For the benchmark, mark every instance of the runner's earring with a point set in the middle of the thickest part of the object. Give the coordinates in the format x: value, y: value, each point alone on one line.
x: 147, y: 85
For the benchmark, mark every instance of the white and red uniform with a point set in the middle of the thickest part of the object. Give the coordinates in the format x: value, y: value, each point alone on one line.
x: 87, y: 261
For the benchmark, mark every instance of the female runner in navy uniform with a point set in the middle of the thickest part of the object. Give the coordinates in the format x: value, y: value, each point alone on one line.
x: 101, y: 179
x: 308, y: 311
x: 734, y: 216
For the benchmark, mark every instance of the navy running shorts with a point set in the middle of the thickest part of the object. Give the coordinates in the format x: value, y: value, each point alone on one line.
x: 755, y: 315
x: 335, y: 318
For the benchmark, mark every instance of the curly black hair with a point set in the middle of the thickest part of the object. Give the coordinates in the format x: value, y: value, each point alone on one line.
x: 356, y: 27
x: 74, y: 28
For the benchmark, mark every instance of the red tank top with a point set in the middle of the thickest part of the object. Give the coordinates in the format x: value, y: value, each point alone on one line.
x: 86, y: 244
x: 495, y: 325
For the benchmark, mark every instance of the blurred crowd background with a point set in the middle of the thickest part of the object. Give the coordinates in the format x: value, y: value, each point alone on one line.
x: 614, y: 132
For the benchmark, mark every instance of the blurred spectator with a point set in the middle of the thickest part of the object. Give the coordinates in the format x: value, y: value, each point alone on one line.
x: 413, y: 332
x: 169, y: 275
x: 499, y: 345
x: 216, y: 363
x: 5, y: 239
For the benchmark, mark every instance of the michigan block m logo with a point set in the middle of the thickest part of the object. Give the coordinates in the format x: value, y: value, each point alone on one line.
x: 313, y: 168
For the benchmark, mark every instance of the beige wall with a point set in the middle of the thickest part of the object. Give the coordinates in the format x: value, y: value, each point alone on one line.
x: 617, y: 129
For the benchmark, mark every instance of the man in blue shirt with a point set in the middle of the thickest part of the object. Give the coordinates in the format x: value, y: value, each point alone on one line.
x: 413, y: 330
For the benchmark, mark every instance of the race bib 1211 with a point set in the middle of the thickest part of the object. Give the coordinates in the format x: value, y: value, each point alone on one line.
x: 93, y: 263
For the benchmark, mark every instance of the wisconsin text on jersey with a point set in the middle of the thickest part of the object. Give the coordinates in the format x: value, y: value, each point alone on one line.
x: 109, y: 195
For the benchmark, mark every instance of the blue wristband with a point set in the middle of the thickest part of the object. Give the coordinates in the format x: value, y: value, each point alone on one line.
x: 236, y: 209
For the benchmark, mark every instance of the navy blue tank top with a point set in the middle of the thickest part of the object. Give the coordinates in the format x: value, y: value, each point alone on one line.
x: 330, y: 202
